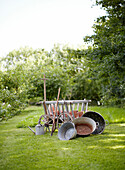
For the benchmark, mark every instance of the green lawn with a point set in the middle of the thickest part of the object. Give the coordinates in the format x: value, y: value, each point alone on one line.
x: 20, y: 149
x: 112, y: 114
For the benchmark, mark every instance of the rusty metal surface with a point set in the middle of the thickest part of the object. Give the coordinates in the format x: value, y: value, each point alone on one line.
x: 97, y: 118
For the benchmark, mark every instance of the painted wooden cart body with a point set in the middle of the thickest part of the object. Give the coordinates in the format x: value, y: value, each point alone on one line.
x: 66, y: 110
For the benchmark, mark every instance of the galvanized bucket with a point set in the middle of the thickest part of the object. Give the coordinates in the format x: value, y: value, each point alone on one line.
x: 67, y: 131
x: 84, y: 126
x: 98, y: 119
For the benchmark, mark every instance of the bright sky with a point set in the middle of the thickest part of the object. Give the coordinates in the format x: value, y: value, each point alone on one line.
x: 43, y: 23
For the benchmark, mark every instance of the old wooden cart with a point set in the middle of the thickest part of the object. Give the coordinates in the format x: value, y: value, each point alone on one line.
x: 67, y: 110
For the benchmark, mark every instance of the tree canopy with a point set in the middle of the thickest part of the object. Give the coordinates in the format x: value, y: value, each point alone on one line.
x: 96, y: 73
x: 107, y: 54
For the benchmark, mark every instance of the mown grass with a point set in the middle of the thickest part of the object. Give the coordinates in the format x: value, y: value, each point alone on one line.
x: 111, y: 114
x: 20, y: 149
x: 32, y: 118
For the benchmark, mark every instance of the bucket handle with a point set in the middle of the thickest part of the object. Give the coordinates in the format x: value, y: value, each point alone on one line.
x: 97, y: 125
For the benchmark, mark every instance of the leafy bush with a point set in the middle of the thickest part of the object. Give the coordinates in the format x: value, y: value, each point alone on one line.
x: 11, y: 103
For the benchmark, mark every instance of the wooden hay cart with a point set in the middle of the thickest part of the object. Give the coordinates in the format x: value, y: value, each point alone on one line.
x: 66, y: 110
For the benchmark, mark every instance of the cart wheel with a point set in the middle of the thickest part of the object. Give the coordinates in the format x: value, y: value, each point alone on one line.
x: 46, y: 119
x: 65, y: 117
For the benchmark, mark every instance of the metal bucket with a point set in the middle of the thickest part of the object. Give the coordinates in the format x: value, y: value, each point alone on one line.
x: 97, y: 118
x: 84, y: 126
x: 67, y: 131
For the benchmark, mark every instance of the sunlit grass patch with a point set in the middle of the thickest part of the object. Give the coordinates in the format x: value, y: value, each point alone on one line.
x: 112, y: 114
x: 117, y: 147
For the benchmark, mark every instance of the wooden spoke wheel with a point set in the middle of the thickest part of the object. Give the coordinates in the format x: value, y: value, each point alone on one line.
x: 45, y: 119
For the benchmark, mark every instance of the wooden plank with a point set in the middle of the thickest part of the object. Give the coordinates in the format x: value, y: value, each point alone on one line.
x: 44, y: 87
x: 47, y: 106
x: 59, y: 109
x: 45, y: 109
x: 72, y: 111
x: 67, y: 110
x: 82, y: 107
x: 86, y: 107
x: 54, y: 123
x: 51, y: 109
x: 78, y: 106
x: 67, y: 101
x: 73, y: 106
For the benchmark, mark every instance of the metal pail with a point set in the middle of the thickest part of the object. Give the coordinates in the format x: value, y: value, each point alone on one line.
x: 84, y: 126
x: 98, y: 119
x: 67, y: 131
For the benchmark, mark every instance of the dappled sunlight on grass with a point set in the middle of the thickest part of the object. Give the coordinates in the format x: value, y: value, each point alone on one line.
x: 91, y: 147
x: 65, y: 148
x: 111, y: 140
x: 117, y: 147
x: 116, y: 135
x: 122, y: 124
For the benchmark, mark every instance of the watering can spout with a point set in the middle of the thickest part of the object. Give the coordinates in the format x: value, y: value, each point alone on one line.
x: 31, y: 130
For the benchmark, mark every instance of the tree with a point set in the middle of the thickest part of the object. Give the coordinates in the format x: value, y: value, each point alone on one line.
x: 20, y: 82
x: 107, y: 53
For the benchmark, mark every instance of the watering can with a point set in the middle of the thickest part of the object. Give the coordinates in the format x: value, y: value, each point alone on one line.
x: 39, y: 129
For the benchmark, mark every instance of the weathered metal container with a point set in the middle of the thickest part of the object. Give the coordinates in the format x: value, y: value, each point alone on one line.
x: 39, y: 129
x: 67, y: 131
x: 84, y: 126
x: 98, y: 119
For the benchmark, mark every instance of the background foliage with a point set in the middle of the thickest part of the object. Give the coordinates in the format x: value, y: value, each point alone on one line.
x: 95, y: 73
x: 107, y: 55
